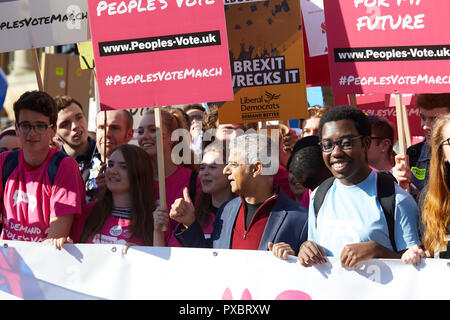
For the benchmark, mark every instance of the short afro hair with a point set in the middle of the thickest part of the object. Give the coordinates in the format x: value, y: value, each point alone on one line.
x: 362, y: 123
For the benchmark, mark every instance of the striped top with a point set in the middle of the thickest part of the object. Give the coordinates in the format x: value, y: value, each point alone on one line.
x: 121, y: 213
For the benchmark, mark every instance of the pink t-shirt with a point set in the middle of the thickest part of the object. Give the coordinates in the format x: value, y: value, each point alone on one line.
x: 175, y: 184
x: 30, y: 200
x: 305, y: 198
x: 114, y: 231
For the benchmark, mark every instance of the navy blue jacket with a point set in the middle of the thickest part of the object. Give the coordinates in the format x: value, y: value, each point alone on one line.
x: 287, y: 223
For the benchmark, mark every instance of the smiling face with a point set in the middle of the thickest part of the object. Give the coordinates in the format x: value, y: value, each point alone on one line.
x: 237, y: 173
x: 445, y: 146
x: 116, y: 174
x: 349, y: 166
x: 146, y: 136
x: 211, y: 173
x: 34, y: 143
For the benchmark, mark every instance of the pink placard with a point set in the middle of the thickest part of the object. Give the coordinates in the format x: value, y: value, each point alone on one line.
x: 160, y: 52
x: 388, y: 46
x: 383, y: 105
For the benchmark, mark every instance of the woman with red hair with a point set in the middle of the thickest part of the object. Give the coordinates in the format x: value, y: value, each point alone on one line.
x: 436, y: 206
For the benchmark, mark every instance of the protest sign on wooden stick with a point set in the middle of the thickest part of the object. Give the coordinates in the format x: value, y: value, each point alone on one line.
x: 401, y: 119
x: 400, y: 124
x: 160, y: 154
x: 406, y: 126
x: 352, y: 100
x: 37, y: 69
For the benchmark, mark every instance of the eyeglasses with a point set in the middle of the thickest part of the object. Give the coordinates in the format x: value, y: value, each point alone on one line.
x: 345, y: 143
x: 39, y: 128
x: 377, y: 138
x: 446, y: 142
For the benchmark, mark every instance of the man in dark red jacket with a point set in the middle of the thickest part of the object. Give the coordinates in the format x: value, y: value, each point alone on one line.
x: 262, y: 213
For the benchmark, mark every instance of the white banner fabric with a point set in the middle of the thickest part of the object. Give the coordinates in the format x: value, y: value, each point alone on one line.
x: 87, y: 271
x: 26, y: 24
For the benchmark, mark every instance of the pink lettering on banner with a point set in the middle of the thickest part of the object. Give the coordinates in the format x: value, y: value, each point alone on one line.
x: 9, y: 277
x: 384, y: 106
x: 285, y: 295
x: 165, y: 52
x: 388, y: 46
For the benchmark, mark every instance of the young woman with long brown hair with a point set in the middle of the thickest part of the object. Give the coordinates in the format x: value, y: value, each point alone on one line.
x: 215, y: 192
x: 123, y: 214
x: 177, y: 176
x: 436, y: 205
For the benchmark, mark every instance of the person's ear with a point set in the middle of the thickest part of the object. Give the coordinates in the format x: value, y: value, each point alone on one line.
x: 52, y: 131
x: 366, y: 141
x: 256, y: 169
x: 129, y: 135
x: 386, y: 144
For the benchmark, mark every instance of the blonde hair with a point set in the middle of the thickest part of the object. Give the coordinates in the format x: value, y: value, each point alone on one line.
x: 314, y: 112
x: 436, y: 208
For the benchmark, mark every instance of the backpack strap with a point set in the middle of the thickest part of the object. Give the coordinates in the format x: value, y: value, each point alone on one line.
x: 54, y: 165
x: 386, y: 197
x: 193, y: 185
x: 9, y: 165
x: 12, y: 160
x: 321, y: 192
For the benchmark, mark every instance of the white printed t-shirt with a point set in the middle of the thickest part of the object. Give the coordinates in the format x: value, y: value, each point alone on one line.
x: 30, y: 200
x: 352, y: 214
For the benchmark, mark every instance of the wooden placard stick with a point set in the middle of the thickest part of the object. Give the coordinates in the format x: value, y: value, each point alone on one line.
x: 160, y: 157
x: 105, y: 129
x: 352, y: 100
x: 401, y: 128
x: 2, y: 60
x: 400, y: 124
x: 37, y: 69
x: 406, y: 127
x: 104, y: 138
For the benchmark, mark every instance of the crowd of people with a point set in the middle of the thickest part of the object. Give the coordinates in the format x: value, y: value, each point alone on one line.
x: 337, y: 189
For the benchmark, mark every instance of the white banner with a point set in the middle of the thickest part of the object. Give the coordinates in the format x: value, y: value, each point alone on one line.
x: 86, y: 271
x: 26, y: 24
x: 315, y: 29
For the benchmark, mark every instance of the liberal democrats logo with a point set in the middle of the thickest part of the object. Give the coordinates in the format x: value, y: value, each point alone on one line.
x: 270, y: 96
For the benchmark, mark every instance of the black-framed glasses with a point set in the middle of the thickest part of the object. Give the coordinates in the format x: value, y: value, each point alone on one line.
x: 377, y: 138
x: 26, y: 127
x: 345, y: 143
x: 446, y: 142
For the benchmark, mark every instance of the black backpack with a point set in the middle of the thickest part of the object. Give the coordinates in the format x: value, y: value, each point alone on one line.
x: 385, y: 196
x: 12, y: 160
